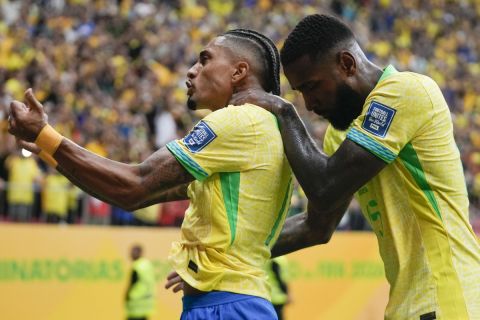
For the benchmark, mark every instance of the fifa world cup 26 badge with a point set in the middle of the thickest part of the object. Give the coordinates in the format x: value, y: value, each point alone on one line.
x: 200, y: 136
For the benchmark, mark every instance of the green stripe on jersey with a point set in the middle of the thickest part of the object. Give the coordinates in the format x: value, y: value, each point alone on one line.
x: 412, y: 163
x: 230, y: 182
x: 187, y: 162
x: 280, y: 214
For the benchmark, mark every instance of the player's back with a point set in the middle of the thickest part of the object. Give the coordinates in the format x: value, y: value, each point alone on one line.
x: 418, y: 204
x: 238, y: 203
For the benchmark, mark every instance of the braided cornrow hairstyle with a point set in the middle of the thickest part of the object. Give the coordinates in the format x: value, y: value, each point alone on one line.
x: 268, y: 51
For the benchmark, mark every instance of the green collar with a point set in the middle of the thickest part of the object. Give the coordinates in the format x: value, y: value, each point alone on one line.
x: 387, y: 72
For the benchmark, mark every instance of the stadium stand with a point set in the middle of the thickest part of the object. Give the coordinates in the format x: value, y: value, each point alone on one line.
x: 111, y: 73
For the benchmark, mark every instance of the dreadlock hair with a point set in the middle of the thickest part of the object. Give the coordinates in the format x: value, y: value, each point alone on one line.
x: 315, y: 35
x: 264, y: 52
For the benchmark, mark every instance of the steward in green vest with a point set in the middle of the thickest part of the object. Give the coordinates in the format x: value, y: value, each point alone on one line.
x: 141, y: 293
x: 277, y: 273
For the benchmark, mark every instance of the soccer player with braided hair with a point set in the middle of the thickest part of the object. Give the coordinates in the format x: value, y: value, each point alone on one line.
x: 390, y: 142
x: 238, y: 178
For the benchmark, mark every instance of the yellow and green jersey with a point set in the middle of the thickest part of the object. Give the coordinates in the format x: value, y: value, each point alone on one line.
x: 417, y: 205
x: 141, y: 295
x: 56, y: 194
x: 238, y: 201
x: 22, y: 175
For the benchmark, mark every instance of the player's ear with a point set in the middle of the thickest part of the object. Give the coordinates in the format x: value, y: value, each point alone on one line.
x: 240, y: 72
x: 346, y: 63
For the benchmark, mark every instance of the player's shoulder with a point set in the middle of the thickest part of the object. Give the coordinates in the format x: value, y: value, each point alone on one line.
x: 403, y: 90
x: 243, y: 114
x: 405, y: 81
x: 248, y: 109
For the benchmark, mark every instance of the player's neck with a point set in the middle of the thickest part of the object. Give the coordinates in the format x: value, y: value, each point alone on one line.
x: 370, y: 74
x: 242, y: 89
x: 250, y: 83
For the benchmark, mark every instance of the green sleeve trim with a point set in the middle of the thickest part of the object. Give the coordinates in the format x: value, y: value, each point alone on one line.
x: 387, y: 72
x: 230, y: 182
x: 410, y: 160
x: 371, y: 145
x: 186, y: 161
x: 276, y: 121
x: 280, y: 214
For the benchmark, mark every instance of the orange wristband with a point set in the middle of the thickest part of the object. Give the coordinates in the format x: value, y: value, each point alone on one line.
x: 48, y: 140
x: 48, y: 159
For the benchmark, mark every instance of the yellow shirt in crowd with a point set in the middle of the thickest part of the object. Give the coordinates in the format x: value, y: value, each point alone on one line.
x: 22, y: 175
x: 56, y: 194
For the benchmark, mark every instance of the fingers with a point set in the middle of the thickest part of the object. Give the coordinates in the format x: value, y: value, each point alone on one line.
x: 30, y: 146
x: 25, y: 122
x: 16, y: 109
x: 168, y: 284
x: 172, y: 282
x: 178, y: 288
x: 32, y: 102
x: 172, y: 275
x: 175, y: 281
x: 10, y: 121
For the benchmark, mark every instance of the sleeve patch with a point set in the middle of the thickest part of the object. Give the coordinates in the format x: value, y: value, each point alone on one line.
x: 200, y: 136
x: 378, y: 119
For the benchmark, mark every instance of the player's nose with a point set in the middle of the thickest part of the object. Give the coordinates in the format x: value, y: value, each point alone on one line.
x: 193, y: 71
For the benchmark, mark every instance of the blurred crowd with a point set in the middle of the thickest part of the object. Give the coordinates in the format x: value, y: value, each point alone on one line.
x: 111, y: 75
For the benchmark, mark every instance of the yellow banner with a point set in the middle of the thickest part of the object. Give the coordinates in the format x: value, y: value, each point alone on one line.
x: 82, y: 272
x: 342, y: 280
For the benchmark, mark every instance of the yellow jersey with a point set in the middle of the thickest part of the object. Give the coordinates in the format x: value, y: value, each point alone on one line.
x: 55, y: 195
x: 418, y: 204
x: 238, y: 201
x: 22, y: 175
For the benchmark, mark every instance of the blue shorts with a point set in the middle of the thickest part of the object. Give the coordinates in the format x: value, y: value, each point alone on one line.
x: 221, y: 305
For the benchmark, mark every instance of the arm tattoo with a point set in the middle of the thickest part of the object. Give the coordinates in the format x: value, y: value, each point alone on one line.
x: 123, y: 185
x: 173, y: 194
x: 172, y: 173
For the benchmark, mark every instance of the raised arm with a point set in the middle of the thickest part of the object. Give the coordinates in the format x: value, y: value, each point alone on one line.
x: 123, y: 185
x: 159, y: 178
x: 329, y: 182
x: 308, y: 229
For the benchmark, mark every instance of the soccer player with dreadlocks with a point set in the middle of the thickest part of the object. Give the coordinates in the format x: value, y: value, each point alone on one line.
x: 239, y: 180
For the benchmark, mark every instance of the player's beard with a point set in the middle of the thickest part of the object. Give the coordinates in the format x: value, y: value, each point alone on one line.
x: 191, y: 104
x: 348, y: 107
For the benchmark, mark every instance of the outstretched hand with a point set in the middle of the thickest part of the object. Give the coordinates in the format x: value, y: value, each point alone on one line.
x: 26, y: 121
x: 175, y: 281
x: 268, y: 101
